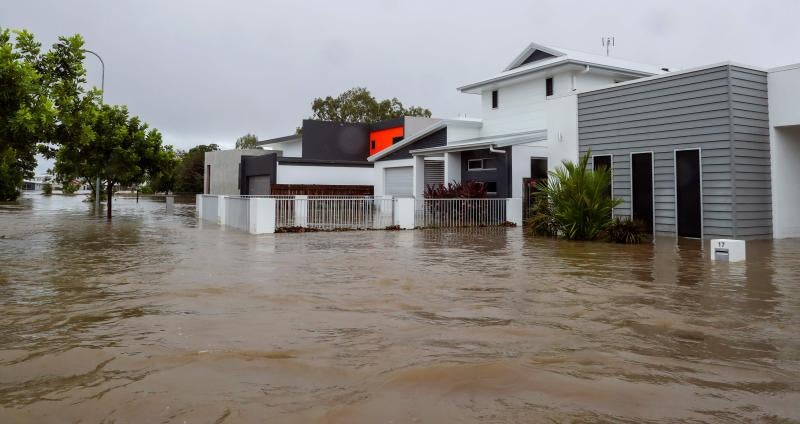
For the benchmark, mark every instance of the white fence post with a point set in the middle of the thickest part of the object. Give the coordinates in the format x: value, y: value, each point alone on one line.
x: 198, y: 204
x: 262, y: 215
x: 405, y: 213
x: 222, y: 218
x: 301, y: 211
x: 514, y: 210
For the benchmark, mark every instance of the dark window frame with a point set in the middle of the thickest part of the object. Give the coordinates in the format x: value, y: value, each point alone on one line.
x: 372, y: 144
x: 495, y: 99
x: 548, y: 87
x: 482, y: 164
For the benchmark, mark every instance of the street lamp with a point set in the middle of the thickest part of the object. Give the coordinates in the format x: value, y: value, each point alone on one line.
x: 102, y: 93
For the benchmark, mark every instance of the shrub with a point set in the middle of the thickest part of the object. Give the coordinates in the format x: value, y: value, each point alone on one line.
x: 456, y: 190
x: 47, y: 188
x: 69, y: 187
x: 578, y: 199
x: 540, y: 221
x: 627, y: 231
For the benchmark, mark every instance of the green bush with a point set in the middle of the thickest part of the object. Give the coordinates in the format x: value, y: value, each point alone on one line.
x: 578, y: 199
x: 627, y: 231
x: 69, y: 187
x: 540, y: 221
x: 47, y: 188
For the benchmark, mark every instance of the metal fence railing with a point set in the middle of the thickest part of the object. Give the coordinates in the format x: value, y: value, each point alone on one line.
x: 451, y: 213
x: 334, y: 212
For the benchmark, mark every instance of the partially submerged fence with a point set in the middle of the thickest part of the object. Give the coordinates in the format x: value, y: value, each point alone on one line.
x: 268, y: 214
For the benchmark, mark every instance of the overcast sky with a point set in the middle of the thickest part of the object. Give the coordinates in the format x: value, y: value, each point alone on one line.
x: 207, y: 72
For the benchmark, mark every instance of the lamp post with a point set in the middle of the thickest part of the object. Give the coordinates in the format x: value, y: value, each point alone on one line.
x: 102, y: 93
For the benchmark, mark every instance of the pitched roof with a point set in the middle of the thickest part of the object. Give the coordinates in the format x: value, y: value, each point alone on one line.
x: 537, y: 57
x: 500, y: 140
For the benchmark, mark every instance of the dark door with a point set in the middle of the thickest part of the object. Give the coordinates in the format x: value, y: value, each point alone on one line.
x: 538, y: 175
x: 603, y: 162
x: 687, y: 188
x: 642, y: 201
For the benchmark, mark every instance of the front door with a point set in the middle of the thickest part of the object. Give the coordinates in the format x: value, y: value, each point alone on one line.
x: 687, y: 193
x: 642, y: 188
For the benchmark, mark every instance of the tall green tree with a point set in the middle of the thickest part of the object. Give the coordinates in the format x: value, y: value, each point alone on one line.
x: 247, y: 141
x: 121, y: 150
x: 357, y: 105
x: 189, y: 176
x: 26, y: 111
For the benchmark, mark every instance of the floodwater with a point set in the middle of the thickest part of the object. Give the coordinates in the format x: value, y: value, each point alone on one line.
x: 156, y: 318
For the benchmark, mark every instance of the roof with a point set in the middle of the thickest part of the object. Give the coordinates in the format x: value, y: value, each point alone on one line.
x: 520, y: 66
x: 443, y: 123
x: 502, y: 140
x: 293, y: 137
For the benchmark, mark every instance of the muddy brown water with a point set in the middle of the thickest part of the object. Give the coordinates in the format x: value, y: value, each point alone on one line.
x: 156, y: 318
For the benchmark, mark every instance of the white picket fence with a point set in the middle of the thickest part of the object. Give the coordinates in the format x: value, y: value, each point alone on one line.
x: 268, y: 214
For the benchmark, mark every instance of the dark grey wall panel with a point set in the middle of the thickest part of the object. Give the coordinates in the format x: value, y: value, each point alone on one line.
x: 251, y: 166
x: 720, y: 110
x: 335, y: 141
x: 436, y: 139
x: 501, y: 175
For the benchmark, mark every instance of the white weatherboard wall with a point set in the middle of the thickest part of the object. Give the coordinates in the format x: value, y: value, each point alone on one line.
x: 784, y: 122
x: 333, y: 175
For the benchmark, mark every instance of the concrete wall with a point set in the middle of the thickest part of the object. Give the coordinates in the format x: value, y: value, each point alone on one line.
x: 719, y: 109
x: 225, y: 170
x: 784, y: 120
x: 332, y: 175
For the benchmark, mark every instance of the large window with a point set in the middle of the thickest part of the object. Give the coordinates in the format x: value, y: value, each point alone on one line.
x: 483, y: 164
x: 495, y: 103
x: 548, y: 87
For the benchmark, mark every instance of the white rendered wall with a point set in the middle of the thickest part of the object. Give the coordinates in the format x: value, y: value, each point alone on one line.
x: 333, y: 175
x: 290, y: 149
x: 225, y: 170
x: 458, y: 131
x: 784, y: 121
x: 562, y: 130
x: 452, y: 167
x: 378, y: 173
x: 521, y: 163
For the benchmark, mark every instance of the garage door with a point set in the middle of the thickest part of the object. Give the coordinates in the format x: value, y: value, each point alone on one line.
x: 399, y: 181
x: 258, y: 185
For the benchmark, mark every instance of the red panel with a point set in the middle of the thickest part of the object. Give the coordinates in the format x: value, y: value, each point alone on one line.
x: 379, y: 140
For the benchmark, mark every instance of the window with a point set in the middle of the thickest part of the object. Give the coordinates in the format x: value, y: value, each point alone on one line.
x: 548, y: 87
x: 396, y: 140
x: 484, y: 164
x: 372, y: 145
x: 495, y: 104
x: 491, y: 187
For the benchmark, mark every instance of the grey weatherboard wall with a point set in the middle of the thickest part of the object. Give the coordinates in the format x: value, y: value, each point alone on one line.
x: 722, y: 110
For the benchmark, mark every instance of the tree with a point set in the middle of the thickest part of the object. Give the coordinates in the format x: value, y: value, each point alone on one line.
x: 26, y: 111
x: 357, y: 105
x: 189, y: 173
x: 121, y: 150
x: 247, y: 141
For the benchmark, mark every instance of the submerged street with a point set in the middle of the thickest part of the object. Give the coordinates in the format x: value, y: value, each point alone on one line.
x: 156, y: 317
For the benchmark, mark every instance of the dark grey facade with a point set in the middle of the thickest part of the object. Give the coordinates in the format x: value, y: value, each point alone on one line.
x: 435, y: 139
x: 252, y: 167
x: 722, y: 111
x: 329, y: 141
x: 500, y: 175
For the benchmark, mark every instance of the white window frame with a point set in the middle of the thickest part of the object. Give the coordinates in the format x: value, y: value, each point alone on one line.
x: 483, y: 163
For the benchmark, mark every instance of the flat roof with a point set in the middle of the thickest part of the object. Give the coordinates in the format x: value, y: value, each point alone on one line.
x: 293, y: 137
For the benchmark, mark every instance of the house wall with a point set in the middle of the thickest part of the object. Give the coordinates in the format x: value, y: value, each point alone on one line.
x: 292, y: 149
x: 291, y: 173
x: 251, y: 166
x: 718, y: 109
x: 225, y: 170
x: 784, y: 117
x: 457, y: 131
x: 501, y: 175
x: 436, y: 139
x: 335, y: 141
x: 415, y: 124
x: 521, y: 164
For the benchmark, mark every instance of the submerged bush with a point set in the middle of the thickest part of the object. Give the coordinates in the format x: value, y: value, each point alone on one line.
x: 627, y: 231
x: 578, y: 200
x: 540, y: 219
x: 47, y: 189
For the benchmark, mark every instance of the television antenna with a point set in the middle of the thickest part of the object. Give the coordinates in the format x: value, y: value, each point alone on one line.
x: 608, y: 43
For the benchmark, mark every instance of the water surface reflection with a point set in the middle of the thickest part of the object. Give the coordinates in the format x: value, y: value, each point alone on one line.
x: 156, y: 318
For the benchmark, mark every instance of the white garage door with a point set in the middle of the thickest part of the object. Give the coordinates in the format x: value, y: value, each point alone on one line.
x: 399, y: 181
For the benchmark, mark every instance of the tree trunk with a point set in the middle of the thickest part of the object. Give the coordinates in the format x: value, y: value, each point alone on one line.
x: 109, y: 195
